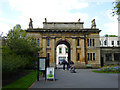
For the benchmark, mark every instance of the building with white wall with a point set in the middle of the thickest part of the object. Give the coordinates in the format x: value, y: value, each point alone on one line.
x: 109, y: 42
x: 61, y: 53
x: 109, y: 50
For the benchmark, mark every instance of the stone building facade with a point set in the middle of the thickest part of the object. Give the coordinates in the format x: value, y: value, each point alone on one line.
x: 83, y: 43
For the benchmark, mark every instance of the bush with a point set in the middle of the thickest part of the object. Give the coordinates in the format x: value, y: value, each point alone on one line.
x: 13, y: 63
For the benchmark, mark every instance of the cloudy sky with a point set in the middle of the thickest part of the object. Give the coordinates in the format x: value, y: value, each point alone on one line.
x: 14, y: 12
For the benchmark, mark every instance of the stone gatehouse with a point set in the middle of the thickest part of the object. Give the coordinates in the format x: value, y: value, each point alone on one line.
x: 83, y: 43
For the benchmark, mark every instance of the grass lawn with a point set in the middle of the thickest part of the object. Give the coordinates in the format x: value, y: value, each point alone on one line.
x: 104, y: 72
x: 24, y: 82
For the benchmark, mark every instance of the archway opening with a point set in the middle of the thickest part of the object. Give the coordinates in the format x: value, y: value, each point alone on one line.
x: 62, y: 52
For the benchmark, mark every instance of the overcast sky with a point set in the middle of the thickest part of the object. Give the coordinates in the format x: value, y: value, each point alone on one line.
x: 14, y: 12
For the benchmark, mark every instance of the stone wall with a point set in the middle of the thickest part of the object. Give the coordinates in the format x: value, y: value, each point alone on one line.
x: 60, y: 25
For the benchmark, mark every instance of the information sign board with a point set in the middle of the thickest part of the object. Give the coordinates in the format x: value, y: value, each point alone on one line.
x: 42, y: 63
x: 50, y: 73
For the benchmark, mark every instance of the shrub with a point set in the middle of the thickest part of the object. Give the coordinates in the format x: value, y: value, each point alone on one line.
x: 13, y: 63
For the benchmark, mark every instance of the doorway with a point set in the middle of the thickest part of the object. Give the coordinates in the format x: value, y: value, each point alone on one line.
x: 63, y: 52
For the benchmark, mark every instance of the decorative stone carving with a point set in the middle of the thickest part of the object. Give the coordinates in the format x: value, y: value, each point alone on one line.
x: 93, y: 24
x: 79, y: 20
x: 30, y: 24
x: 45, y: 19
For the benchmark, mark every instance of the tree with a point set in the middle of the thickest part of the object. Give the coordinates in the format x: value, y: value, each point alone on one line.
x: 20, y: 51
x: 116, y: 9
x: 20, y: 44
x: 106, y: 35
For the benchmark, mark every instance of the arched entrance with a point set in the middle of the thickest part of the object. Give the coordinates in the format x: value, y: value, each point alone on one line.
x: 68, y: 47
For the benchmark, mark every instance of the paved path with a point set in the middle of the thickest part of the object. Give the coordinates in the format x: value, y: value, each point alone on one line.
x: 84, y: 78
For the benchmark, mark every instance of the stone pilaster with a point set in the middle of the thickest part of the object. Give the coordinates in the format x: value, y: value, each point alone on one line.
x: 40, y: 45
x: 52, y: 56
x: 73, y: 49
x: 82, y: 50
x: 44, y: 46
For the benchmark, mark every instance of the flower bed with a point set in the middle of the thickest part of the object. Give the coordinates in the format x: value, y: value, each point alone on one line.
x: 108, y: 69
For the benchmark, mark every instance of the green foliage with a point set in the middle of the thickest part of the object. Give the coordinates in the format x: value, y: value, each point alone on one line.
x: 20, y: 51
x: 112, y: 36
x: 116, y: 9
x: 106, y: 35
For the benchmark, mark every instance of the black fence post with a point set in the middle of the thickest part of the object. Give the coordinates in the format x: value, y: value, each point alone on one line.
x: 38, y: 69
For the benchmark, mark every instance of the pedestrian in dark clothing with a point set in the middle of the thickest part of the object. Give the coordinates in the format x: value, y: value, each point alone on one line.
x: 64, y: 62
x: 67, y: 65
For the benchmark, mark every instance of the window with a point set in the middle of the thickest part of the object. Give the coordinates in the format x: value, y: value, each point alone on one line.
x: 109, y: 57
x: 88, y: 56
x: 38, y: 42
x: 112, y: 42
x: 93, y: 56
x: 78, y: 56
x: 93, y: 42
x: 90, y: 42
x: 116, y: 56
x: 105, y: 42
x: 48, y: 44
x: 60, y: 50
x: 118, y: 42
x: 66, y: 50
x: 87, y: 42
x: 77, y: 42
x: 100, y: 43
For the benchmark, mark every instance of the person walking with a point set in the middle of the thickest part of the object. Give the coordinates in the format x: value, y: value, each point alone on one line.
x: 67, y: 65
x: 64, y: 62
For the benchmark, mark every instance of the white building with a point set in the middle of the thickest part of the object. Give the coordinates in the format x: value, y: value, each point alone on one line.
x: 110, y: 50
x: 61, y: 53
x: 109, y: 42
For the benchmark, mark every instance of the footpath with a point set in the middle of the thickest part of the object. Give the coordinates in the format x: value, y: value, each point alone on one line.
x: 83, y: 78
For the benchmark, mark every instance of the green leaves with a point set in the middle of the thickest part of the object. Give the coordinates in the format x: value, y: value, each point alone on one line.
x: 116, y: 9
x: 20, y: 51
